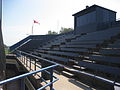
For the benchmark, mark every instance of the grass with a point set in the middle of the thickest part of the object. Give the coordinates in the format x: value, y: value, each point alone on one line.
x: 6, y: 51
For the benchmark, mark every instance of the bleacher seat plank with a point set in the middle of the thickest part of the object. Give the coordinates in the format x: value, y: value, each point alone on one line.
x: 79, y: 46
x: 57, y: 58
x: 63, y: 53
x: 110, y: 51
x: 114, y: 46
x: 84, y: 43
x: 74, y: 50
x: 102, y: 68
x: 100, y: 35
x: 105, y: 59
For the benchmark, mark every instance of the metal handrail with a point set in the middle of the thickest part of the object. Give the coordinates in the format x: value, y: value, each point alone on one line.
x: 30, y: 73
x: 39, y: 57
x: 101, y: 78
x: 91, y: 75
x: 52, y: 77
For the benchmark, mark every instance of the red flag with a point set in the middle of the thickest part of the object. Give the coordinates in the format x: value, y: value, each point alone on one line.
x: 36, y: 22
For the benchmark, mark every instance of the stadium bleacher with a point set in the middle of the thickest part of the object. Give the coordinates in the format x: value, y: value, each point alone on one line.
x: 96, y: 53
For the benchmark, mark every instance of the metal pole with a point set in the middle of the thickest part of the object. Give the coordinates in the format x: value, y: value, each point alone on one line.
x: 51, y: 78
x: 30, y: 63
x: 23, y: 84
x: 32, y: 28
x: 2, y: 52
x: 24, y: 59
x: 35, y: 65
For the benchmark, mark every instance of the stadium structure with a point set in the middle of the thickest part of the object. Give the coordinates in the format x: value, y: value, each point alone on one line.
x: 89, y: 54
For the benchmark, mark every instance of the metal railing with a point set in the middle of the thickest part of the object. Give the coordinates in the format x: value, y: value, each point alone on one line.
x: 32, y: 60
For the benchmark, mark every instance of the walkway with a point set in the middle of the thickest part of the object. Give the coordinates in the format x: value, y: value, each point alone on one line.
x: 64, y: 83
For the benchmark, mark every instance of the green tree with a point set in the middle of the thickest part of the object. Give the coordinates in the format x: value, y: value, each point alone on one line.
x: 5, y: 46
x: 64, y: 30
x: 52, y: 32
x: 6, y: 49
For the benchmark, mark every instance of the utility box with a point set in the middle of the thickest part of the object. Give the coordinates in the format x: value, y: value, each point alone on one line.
x: 90, y: 18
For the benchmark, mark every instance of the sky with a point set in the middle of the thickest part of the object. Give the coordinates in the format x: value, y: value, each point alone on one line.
x: 18, y: 16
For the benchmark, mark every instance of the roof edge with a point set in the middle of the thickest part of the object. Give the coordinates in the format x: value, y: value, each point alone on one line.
x: 93, y: 6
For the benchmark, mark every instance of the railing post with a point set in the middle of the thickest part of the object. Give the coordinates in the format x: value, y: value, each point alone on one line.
x: 45, y: 75
x: 24, y: 59
x: 30, y: 63
x: 51, y: 78
x: 22, y: 84
x: 35, y: 65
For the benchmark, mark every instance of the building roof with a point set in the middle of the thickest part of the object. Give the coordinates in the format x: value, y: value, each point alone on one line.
x: 90, y: 9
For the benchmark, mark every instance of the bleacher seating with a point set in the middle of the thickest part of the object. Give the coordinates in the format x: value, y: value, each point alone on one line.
x: 31, y: 42
x: 91, y: 52
x: 97, y: 53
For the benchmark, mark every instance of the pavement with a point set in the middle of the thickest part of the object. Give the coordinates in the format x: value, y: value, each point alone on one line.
x: 65, y: 83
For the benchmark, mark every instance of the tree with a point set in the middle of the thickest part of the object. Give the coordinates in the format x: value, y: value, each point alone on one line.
x: 5, y: 46
x: 52, y: 32
x: 64, y: 30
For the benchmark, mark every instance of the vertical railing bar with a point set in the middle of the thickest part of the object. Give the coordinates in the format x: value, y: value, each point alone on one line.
x: 51, y: 78
x: 22, y: 84
x: 24, y: 59
x: 27, y: 62
x: 35, y: 64
x: 115, y: 79
x: 30, y: 63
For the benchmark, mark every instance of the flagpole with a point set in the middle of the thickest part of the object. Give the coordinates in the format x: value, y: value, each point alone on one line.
x: 32, y: 28
x: 33, y: 25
